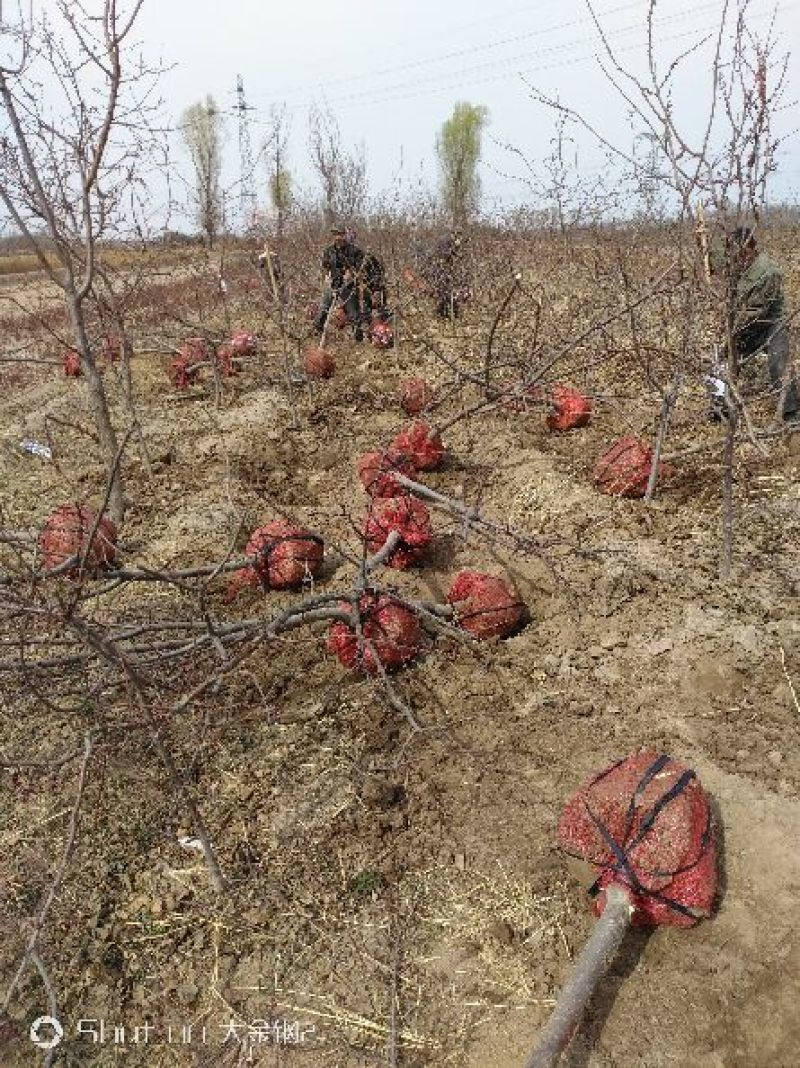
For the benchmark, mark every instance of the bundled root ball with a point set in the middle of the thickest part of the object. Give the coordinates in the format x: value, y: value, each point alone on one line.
x: 184, y: 370
x: 318, y: 363
x: 376, y: 471
x: 72, y: 364
x: 381, y: 334
x: 390, y: 632
x: 570, y: 408
x: 485, y: 605
x: 412, y: 521
x: 285, y: 556
x: 243, y: 344
x: 422, y: 444
x: 338, y: 317
x: 416, y: 395
x: 66, y: 533
x: 624, y: 470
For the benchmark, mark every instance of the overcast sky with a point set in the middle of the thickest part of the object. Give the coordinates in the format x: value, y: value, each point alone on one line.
x: 391, y: 72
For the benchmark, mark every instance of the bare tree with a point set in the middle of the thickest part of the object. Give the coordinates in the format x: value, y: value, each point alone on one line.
x: 72, y: 162
x: 342, y: 174
x: 202, y: 129
x: 280, y: 180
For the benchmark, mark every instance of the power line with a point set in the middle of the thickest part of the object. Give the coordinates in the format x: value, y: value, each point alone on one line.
x: 443, y: 57
x: 392, y: 94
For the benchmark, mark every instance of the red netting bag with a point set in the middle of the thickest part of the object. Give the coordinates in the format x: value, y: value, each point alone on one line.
x: 645, y: 822
x: 72, y: 364
x: 421, y: 444
x: 485, y: 605
x: 381, y: 334
x: 243, y: 344
x: 66, y: 534
x: 570, y: 408
x: 412, y: 521
x: 285, y: 557
x: 416, y: 395
x: 376, y: 471
x: 318, y: 363
x: 391, y: 631
x: 185, y: 368
x: 624, y: 470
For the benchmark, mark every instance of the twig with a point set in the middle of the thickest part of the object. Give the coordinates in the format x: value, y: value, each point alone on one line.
x: 58, y: 879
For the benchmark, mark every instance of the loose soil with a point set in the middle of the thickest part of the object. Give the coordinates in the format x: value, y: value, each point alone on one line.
x: 390, y: 882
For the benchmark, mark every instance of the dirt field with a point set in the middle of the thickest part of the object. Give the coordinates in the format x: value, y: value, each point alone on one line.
x: 396, y: 896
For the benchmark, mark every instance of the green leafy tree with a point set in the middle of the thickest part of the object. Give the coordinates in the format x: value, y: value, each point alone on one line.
x: 202, y: 129
x: 458, y: 147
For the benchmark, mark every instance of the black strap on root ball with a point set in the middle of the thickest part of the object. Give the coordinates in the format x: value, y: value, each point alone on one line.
x: 621, y: 851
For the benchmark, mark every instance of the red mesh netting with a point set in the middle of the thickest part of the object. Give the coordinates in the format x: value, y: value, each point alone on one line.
x: 317, y: 363
x: 243, y: 343
x: 184, y: 370
x: 381, y: 335
x: 416, y: 395
x: 72, y: 364
x: 66, y: 533
x: 410, y: 518
x: 375, y: 471
x: 421, y: 444
x: 570, y: 408
x: 485, y: 605
x: 391, y: 629
x: 645, y: 822
x: 286, y: 557
x: 624, y: 470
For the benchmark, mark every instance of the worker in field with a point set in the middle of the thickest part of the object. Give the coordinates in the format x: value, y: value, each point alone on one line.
x: 759, y: 319
x: 372, y: 288
x: 341, y: 262
x: 444, y: 270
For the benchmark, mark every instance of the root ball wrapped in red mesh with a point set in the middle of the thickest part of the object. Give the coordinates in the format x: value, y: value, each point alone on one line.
x: 645, y: 822
x: 624, y: 470
x: 486, y: 606
x: 66, y: 534
x: 318, y: 363
x: 416, y: 395
x: 412, y: 521
x: 71, y: 363
x: 376, y: 472
x: 381, y: 334
x: 570, y: 408
x: 243, y: 344
x: 185, y: 368
x: 421, y: 444
x: 338, y: 318
x: 227, y: 361
x: 390, y: 632
x: 286, y: 556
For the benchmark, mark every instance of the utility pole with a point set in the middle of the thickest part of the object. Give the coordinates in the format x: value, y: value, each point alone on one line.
x: 247, y: 195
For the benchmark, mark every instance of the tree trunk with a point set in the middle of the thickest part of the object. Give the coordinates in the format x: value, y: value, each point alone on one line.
x: 98, y: 405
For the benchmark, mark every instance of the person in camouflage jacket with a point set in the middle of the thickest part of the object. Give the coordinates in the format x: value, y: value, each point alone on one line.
x: 341, y: 263
x: 759, y: 316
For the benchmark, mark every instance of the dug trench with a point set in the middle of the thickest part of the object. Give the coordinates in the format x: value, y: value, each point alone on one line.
x: 400, y: 892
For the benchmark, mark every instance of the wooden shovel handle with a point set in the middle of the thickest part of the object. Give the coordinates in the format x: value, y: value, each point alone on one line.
x: 589, y: 968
